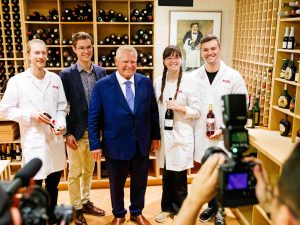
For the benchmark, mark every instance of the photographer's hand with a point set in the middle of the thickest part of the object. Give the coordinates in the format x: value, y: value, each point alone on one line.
x: 263, y: 188
x: 202, y: 190
x: 16, y: 216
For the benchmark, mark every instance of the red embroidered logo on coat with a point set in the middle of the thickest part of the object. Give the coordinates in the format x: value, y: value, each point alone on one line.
x: 179, y: 91
x: 226, y: 81
x: 56, y: 87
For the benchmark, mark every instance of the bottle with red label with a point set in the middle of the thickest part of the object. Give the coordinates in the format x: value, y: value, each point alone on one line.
x: 210, y: 121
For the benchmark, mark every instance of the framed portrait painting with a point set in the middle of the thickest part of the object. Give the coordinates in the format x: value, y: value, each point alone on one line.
x: 186, y: 30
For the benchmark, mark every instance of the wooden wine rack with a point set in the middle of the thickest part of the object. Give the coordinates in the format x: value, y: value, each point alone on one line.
x: 293, y: 87
x: 253, y: 50
x: 99, y: 30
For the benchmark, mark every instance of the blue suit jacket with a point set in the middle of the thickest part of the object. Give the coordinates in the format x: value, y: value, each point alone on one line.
x: 123, y: 130
x: 77, y: 117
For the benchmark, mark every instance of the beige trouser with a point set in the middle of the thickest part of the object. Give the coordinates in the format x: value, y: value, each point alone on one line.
x: 81, y: 167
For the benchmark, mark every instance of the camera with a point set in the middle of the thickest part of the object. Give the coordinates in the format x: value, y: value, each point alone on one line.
x: 236, y: 181
x: 33, y: 205
x: 33, y: 209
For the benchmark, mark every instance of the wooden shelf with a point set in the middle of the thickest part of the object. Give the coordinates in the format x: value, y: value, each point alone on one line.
x: 99, y: 30
x: 294, y: 19
x: 285, y: 111
x: 297, y: 51
x: 254, y: 46
x: 287, y: 81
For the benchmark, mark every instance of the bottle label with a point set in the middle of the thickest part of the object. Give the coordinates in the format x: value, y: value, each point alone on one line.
x: 288, y: 73
x: 297, y: 76
x: 18, y: 158
x: 282, y: 101
x: 284, y: 44
x: 282, y: 74
x: 210, y: 124
x: 256, y: 118
x: 168, y: 123
x: 281, y: 128
x: 290, y: 45
x: 249, y: 123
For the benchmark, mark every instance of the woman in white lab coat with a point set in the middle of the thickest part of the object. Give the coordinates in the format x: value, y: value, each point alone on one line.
x: 175, y: 155
x: 28, y: 96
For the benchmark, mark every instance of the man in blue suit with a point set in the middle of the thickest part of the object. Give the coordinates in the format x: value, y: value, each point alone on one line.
x: 78, y: 81
x: 124, y: 108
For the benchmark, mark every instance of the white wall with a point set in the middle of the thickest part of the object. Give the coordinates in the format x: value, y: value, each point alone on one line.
x: 162, y: 27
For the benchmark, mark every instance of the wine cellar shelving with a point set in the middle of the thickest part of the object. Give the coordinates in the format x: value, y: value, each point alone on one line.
x: 112, y: 23
x: 253, y: 50
x: 288, y: 20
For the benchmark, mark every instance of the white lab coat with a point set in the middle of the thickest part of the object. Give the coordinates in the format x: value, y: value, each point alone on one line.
x: 227, y: 81
x: 177, y: 145
x: 23, y: 96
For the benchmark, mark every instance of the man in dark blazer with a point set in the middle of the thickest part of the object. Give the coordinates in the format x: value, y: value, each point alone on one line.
x: 123, y: 106
x: 79, y: 80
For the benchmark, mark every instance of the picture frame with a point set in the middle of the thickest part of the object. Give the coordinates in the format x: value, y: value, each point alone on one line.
x: 185, y: 34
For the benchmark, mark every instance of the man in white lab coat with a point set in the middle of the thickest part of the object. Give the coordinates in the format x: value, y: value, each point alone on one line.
x: 28, y: 96
x: 214, y: 79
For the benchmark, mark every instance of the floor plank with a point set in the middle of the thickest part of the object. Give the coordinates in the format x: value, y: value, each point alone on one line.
x: 101, y: 198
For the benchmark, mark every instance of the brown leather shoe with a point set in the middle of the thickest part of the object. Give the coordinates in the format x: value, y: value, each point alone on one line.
x: 79, y: 218
x: 89, y: 208
x: 140, y: 219
x: 118, y: 221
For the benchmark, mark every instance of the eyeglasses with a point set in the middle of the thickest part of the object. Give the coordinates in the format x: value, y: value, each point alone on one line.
x: 88, y: 48
x: 172, y: 58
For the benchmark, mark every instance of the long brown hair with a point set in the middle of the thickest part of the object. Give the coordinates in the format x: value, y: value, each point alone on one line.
x: 171, y: 50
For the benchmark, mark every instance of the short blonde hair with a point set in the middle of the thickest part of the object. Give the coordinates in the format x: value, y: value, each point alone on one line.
x: 34, y: 41
x: 124, y: 48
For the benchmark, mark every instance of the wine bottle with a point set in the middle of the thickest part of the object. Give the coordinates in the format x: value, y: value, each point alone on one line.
x: 297, y: 72
x: 256, y: 112
x: 285, y: 38
x: 210, y: 121
x: 283, y: 68
x: 292, y: 104
x: 284, y: 127
x: 250, y: 115
x: 291, y: 70
x: 8, y: 153
x: 291, y: 39
x: 16, y: 16
x: 169, y: 118
x: 18, y: 153
x: 6, y: 16
x: 298, y: 136
x: 3, y: 155
x: 284, y: 99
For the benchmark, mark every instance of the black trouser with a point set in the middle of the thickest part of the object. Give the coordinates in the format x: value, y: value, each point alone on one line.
x: 52, y: 182
x: 174, y: 190
x: 118, y: 171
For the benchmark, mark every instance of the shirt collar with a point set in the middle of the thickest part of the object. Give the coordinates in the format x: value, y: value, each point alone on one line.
x: 122, y: 80
x: 80, y: 69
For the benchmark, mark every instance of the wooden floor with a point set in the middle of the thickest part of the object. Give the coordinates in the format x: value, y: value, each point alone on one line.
x: 101, y: 198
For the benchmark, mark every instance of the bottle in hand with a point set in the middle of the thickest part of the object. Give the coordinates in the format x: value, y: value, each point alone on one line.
x: 210, y: 121
x: 169, y: 119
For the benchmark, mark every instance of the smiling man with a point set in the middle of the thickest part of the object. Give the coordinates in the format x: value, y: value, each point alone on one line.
x: 214, y: 79
x: 124, y: 108
x: 79, y: 80
x: 28, y: 97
